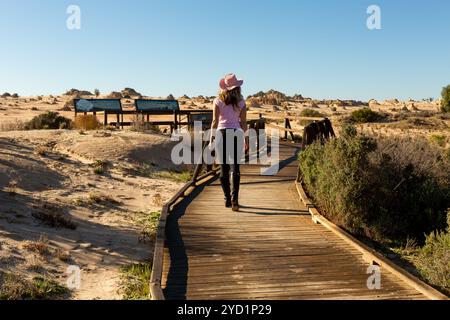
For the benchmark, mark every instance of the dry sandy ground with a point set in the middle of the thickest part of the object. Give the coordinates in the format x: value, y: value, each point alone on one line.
x: 414, y: 123
x: 25, y: 108
x: 62, y: 180
x: 51, y: 171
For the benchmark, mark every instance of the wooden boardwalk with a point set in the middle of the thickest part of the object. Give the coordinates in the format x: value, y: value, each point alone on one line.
x: 271, y: 249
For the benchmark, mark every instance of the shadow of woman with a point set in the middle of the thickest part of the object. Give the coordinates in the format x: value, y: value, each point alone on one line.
x: 177, y: 276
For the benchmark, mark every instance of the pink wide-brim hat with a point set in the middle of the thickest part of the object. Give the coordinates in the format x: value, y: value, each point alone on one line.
x: 230, y: 82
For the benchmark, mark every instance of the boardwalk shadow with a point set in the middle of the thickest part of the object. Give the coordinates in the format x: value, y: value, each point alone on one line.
x: 176, y: 285
x: 276, y: 168
x: 271, y: 211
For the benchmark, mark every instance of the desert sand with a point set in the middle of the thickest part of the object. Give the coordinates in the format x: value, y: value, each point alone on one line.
x: 52, y: 172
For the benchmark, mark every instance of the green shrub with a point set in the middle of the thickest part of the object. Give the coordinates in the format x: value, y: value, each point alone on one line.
x: 14, y: 286
x: 439, y: 140
x: 135, y: 284
x: 365, y: 115
x: 446, y: 99
x: 49, y: 120
x: 311, y: 113
x: 388, y: 190
x: 433, y: 260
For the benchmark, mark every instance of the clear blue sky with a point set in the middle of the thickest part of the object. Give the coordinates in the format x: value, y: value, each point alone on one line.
x: 320, y: 48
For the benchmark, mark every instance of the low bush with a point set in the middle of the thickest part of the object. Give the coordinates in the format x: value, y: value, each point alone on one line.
x: 87, y: 122
x: 439, y: 140
x: 365, y: 115
x: 135, y: 284
x: 311, y: 113
x: 433, y: 260
x: 386, y: 189
x: 49, y: 120
x: 445, y: 107
x: 139, y: 125
x: 14, y: 286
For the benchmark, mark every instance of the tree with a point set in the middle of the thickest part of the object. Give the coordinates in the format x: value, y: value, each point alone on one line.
x: 97, y: 92
x: 446, y: 99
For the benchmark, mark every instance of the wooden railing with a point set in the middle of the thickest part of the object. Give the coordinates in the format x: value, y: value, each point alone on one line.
x: 319, y: 128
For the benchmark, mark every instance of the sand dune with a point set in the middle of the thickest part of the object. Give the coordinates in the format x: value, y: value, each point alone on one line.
x: 61, y: 181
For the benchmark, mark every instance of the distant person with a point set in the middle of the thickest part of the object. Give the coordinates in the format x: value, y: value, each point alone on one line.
x: 229, y: 125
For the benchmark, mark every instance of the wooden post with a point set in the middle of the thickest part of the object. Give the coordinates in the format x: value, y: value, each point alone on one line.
x: 286, y: 127
x: 106, y: 118
x: 290, y: 127
x: 258, y: 146
x: 175, y: 114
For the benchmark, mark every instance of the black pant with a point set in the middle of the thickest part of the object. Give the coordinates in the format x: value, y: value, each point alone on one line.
x: 227, y: 164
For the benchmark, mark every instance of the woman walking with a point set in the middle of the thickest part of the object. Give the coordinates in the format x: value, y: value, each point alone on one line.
x: 229, y: 127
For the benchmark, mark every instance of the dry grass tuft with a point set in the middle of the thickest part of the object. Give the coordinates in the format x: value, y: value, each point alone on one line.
x: 16, y: 287
x: 99, y: 198
x: 39, y: 246
x: 42, y: 151
x: 100, y: 166
x: 157, y: 200
x: 62, y: 255
x: 139, y: 125
x: 15, y: 125
x: 149, y: 223
x: 54, y: 217
x: 87, y: 122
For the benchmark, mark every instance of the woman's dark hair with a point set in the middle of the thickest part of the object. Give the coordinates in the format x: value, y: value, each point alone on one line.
x: 232, y: 97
